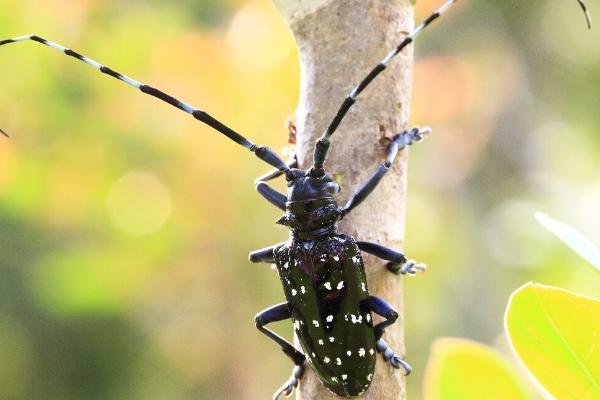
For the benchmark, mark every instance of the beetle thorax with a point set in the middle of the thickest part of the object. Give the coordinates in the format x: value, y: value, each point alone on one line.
x: 311, y: 210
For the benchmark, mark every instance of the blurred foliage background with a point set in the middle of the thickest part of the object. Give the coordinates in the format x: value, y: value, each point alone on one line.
x: 125, y: 225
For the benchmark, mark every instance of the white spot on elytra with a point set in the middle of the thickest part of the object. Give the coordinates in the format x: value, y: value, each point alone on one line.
x: 315, y: 323
x: 356, y: 259
x: 334, y: 379
x: 355, y: 319
x: 302, y: 289
x: 336, y: 258
x: 368, y: 317
x: 371, y: 352
x: 331, y: 339
x: 349, y: 353
x: 321, y: 342
x: 361, y: 352
x: 286, y: 265
x: 314, y: 355
x: 297, y: 325
x: 329, y: 318
x: 340, y: 285
x: 344, y: 377
x: 338, y: 361
x: 326, y: 360
x: 363, y: 286
x: 294, y: 292
x: 327, y: 285
x: 369, y: 377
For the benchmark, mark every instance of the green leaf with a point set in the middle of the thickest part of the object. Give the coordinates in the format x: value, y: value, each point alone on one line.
x: 556, y: 334
x: 460, y: 369
x: 572, y: 238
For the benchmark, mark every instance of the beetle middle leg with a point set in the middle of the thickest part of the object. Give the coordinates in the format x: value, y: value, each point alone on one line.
x: 277, y: 313
x: 383, y: 309
x: 396, y: 261
x: 266, y: 255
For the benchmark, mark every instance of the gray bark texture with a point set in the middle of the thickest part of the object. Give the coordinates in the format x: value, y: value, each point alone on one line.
x: 339, y: 42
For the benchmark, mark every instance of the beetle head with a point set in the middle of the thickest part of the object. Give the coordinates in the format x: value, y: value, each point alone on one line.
x: 311, y: 208
x: 303, y: 186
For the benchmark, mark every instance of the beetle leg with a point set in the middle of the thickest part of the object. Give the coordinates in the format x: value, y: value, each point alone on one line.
x: 266, y: 255
x: 275, y: 173
x: 399, y: 142
x: 266, y: 191
x: 292, y: 383
x: 271, y: 195
x: 397, y: 262
x: 277, y: 313
x: 382, y: 308
x: 394, y: 359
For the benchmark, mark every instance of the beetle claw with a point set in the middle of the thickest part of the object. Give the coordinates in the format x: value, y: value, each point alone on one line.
x: 397, y: 362
x: 285, y: 390
x: 410, y: 268
x: 288, y: 388
x: 391, y: 357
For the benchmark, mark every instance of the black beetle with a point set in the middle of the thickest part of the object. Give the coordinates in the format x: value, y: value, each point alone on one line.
x: 324, y: 280
x: 321, y: 271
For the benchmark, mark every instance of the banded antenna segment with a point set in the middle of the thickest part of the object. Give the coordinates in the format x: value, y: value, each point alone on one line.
x: 323, y: 143
x: 262, y: 152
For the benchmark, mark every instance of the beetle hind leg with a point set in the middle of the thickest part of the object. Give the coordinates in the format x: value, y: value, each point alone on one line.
x: 383, y: 309
x: 391, y: 357
x: 277, y: 313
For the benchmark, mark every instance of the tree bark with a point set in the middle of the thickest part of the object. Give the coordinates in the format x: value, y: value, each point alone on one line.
x: 339, y: 42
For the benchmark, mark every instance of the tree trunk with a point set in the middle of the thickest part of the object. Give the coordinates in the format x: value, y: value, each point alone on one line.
x: 339, y: 42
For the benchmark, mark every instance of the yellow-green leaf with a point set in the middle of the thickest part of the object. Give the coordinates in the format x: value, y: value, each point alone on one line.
x: 460, y: 369
x: 572, y: 238
x: 556, y: 334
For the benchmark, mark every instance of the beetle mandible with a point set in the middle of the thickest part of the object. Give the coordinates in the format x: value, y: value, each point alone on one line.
x: 321, y: 270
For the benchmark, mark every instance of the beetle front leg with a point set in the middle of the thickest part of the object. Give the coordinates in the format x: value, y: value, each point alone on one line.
x: 270, y: 194
x: 396, y: 261
x: 383, y: 309
x: 399, y: 142
x: 278, y: 313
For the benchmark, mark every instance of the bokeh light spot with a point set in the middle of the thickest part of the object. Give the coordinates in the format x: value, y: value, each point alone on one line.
x: 139, y: 203
x: 258, y: 38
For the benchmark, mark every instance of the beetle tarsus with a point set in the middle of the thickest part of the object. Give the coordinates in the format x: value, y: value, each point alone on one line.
x: 398, y: 362
x: 410, y: 267
x: 288, y: 388
x: 392, y: 358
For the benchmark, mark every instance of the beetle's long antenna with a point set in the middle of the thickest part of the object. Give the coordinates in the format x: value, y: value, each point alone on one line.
x: 262, y: 152
x: 322, y: 145
x: 4, y: 133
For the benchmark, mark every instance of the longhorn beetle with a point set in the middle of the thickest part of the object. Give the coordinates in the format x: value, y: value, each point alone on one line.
x: 321, y: 270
